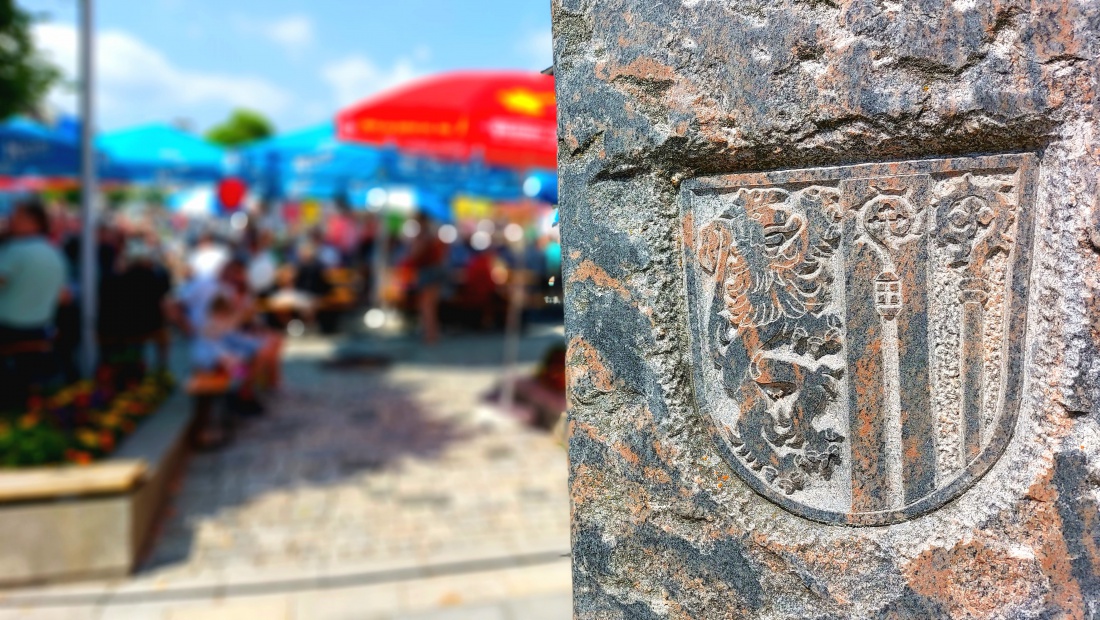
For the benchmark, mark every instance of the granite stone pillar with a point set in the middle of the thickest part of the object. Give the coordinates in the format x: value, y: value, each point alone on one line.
x: 832, y: 276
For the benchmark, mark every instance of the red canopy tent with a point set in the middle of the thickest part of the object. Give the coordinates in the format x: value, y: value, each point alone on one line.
x: 508, y: 118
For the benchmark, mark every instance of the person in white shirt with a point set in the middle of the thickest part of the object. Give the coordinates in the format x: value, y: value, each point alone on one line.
x: 207, y: 258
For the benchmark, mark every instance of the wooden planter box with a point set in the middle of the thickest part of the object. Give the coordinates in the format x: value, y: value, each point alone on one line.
x: 85, y: 522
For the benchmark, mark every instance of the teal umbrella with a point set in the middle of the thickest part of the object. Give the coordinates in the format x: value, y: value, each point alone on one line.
x: 160, y: 153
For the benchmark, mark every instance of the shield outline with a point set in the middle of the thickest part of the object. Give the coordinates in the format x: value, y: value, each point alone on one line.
x: 1026, y: 164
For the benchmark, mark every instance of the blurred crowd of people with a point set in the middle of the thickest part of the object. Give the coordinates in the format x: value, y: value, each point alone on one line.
x: 232, y: 288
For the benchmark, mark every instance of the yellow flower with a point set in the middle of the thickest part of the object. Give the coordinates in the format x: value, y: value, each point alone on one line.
x: 87, y: 437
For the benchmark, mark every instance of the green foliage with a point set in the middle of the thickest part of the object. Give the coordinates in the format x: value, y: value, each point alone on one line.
x: 242, y: 127
x: 25, y: 76
x: 68, y: 196
x: 26, y: 443
x: 118, y: 196
x: 79, y: 423
x: 154, y: 196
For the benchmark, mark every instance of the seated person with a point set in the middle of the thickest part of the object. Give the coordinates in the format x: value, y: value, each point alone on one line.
x: 219, y: 344
x: 310, y: 273
x: 288, y: 298
x: 266, y: 366
x: 219, y: 320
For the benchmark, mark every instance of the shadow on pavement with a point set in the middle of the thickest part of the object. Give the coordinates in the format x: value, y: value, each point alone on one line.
x: 469, y: 350
x: 309, y: 438
x: 324, y: 470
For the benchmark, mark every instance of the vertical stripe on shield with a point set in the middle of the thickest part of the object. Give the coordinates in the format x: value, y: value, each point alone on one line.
x: 918, y: 426
x: 866, y: 391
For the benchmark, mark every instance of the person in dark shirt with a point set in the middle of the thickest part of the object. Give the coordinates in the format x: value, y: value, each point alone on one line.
x: 134, y: 299
x: 310, y: 272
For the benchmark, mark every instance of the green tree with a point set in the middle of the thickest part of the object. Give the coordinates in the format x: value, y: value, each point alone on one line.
x: 242, y: 127
x: 25, y: 76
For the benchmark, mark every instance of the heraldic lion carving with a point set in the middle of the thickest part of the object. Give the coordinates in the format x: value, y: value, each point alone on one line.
x: 773, y: 338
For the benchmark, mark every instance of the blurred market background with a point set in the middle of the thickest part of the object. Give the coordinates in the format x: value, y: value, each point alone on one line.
x: 280, y: 311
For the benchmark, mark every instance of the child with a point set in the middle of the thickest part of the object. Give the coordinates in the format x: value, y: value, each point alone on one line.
x: 220, y: 344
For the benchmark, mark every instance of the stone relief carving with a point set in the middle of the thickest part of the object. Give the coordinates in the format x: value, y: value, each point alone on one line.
x: 821, y: 303
x: 770, y: 256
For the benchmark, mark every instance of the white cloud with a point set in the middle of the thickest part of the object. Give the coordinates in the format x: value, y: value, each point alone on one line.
x: 294, y: 32
x: 136, y: 83
x: 538, y: 49
x: 354, y: 77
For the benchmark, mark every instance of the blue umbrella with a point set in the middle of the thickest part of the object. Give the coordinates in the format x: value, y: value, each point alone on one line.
x: 301, y: 141
x: 160, y: 153
x: 542, y: 186
x: 310, y: 163
x: 448, y: 179
x: 30, y: 149
x: 434, y: 206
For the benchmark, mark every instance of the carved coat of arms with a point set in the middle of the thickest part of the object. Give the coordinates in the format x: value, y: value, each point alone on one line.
x: 857, y: 331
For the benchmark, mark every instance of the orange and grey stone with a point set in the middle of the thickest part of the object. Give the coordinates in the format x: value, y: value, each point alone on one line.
x: 832, y: 272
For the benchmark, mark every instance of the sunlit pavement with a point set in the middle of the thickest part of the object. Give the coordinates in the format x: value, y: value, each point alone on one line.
x: 364, y: 492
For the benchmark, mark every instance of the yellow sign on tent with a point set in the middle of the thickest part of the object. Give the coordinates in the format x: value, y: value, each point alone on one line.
x: 311, y: 213
x: 470, y: 208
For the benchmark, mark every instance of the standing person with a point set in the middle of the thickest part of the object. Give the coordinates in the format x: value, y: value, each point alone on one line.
x: 341, y: 232
x: 32, y: 277
x: 427, y: 257
x: 327, y: 253
x: 478, y: 288
x: 32, y: 280
x: 207, y: 257
x: 144, y: 286
x: 263, y: 266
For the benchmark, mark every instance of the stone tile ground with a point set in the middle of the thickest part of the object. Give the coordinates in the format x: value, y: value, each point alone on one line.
x: 363, y: 493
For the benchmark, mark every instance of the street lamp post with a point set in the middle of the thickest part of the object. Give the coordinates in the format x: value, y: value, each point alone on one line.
x: 88, y: 262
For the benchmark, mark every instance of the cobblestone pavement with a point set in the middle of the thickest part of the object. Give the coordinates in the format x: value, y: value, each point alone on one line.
x: 364, y: 492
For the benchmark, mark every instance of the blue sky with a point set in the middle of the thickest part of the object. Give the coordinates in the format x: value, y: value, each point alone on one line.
x: 296, y: 61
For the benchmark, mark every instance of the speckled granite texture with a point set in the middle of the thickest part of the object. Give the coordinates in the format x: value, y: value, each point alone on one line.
x: 832, y: 275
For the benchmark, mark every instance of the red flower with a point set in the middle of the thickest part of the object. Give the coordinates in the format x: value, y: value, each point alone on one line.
x: 78, y: 456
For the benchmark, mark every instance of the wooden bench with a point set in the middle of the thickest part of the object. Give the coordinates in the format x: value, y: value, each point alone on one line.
x: 342, y: 277
x: 206, y: 388
x: 209, y: 384
x: 337, y: 300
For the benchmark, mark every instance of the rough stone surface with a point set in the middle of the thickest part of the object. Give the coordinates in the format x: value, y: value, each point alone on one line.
x: 656, y: 98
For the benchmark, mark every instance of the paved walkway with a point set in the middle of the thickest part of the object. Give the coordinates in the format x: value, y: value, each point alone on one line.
x: 364, y: 493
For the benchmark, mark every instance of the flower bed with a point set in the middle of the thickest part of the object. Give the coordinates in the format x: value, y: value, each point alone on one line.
x: 80, y: 423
